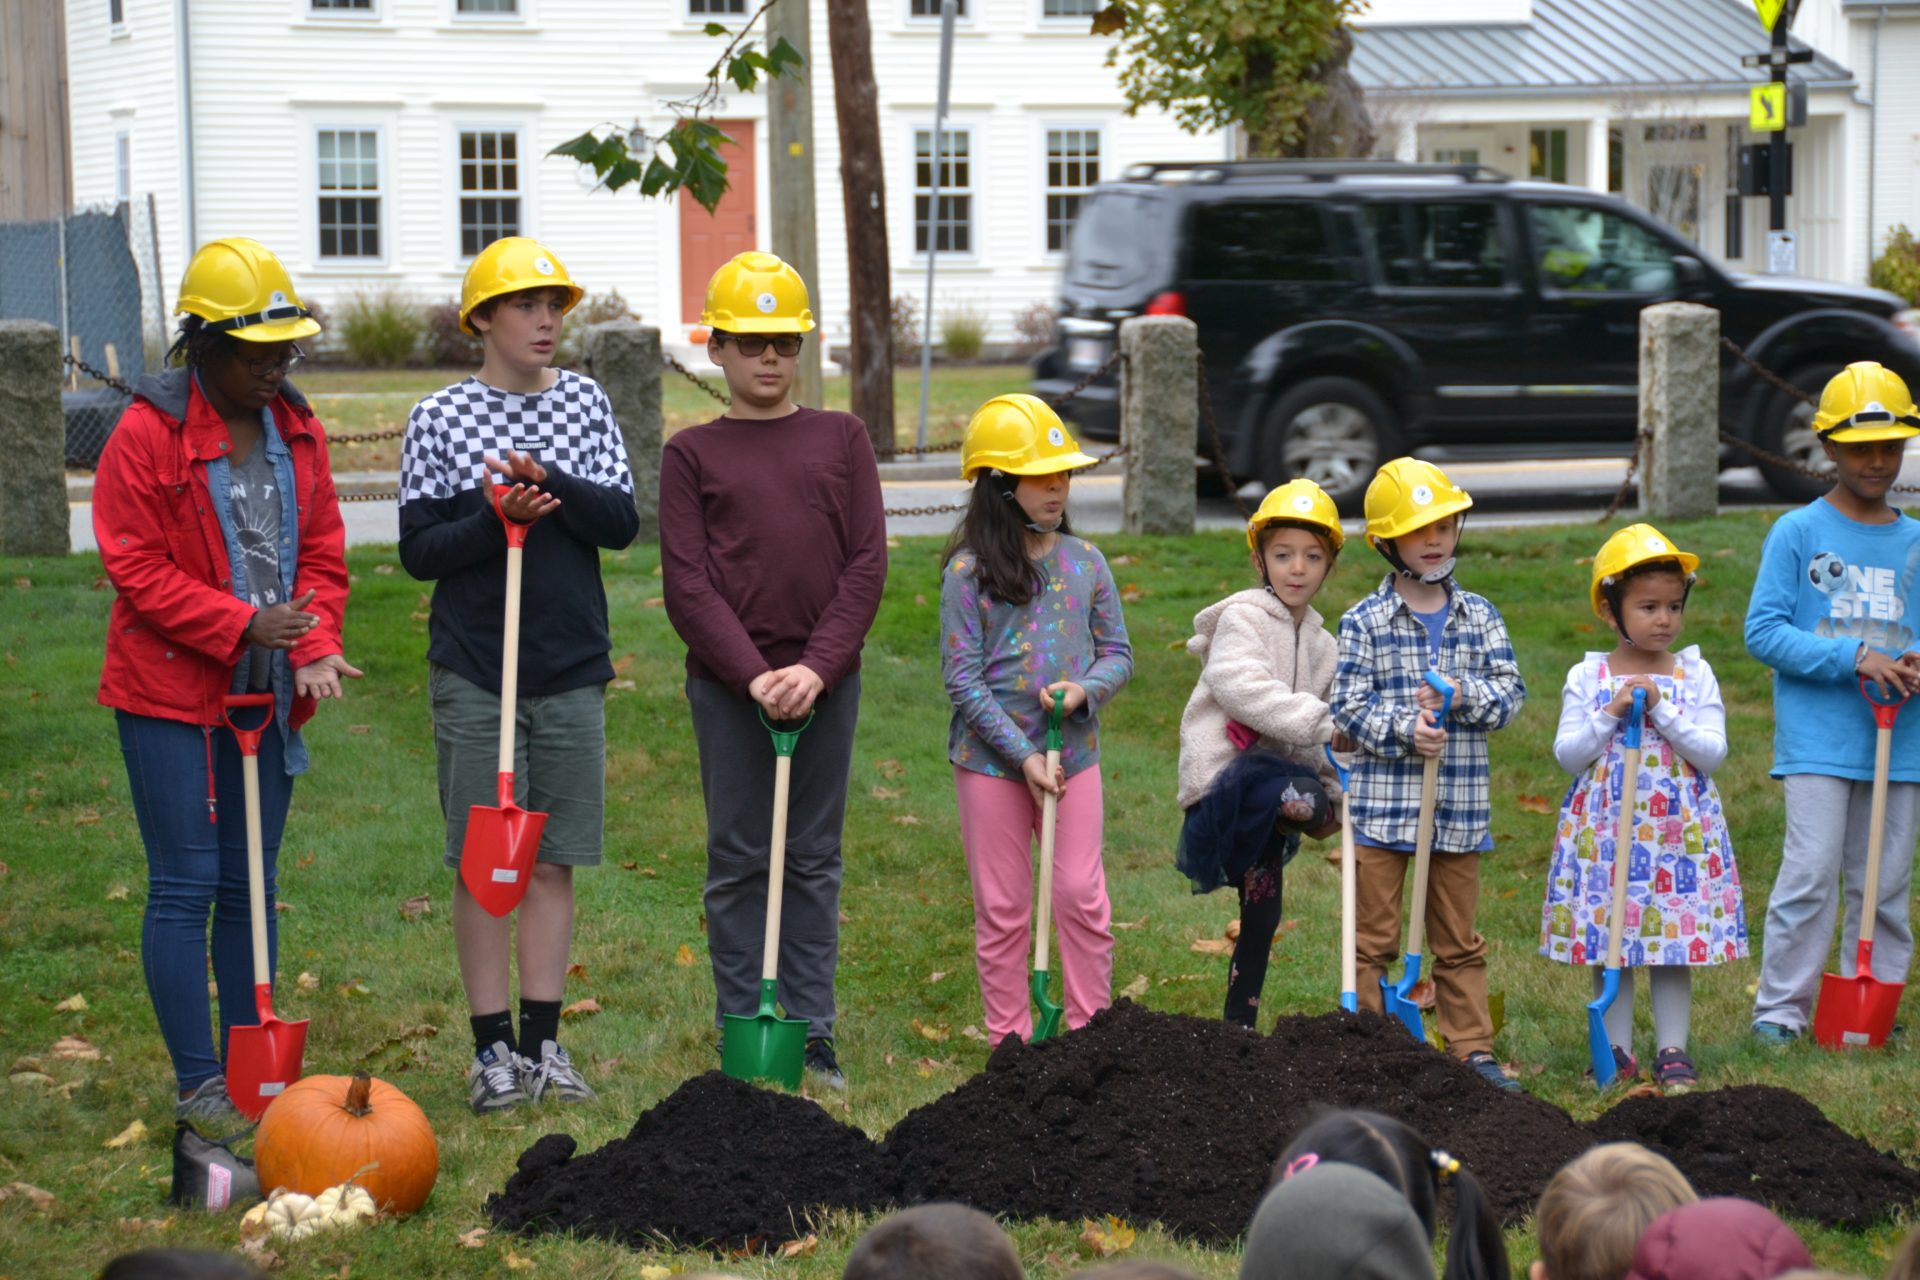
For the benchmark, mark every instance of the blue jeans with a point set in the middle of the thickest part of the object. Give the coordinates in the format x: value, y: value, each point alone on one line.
x: 193, y: 865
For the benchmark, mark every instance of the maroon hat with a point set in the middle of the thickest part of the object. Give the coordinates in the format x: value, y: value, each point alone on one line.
x: 1718, y: 1239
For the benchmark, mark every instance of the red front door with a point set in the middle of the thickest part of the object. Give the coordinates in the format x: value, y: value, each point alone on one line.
x: 707, y: 240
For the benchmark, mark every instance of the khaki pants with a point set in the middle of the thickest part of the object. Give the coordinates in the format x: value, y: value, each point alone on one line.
x: 1456, y: 954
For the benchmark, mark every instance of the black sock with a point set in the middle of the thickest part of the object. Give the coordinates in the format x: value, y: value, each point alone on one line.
x: 491, y: 1027
x: 539, y: 1022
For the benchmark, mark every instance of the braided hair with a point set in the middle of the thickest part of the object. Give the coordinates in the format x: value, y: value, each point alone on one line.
x: 197, y: 346
x: 1405, y: 1161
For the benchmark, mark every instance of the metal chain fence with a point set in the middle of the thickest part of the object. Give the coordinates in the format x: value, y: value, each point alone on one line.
x: 94, y: 275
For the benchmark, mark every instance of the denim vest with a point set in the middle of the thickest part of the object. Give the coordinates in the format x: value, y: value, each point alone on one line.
x: 220, y: 482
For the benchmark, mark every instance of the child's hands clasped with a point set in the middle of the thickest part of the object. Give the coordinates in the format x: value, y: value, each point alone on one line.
x: 789, y: 693
x: 1076, y: 696
x: 1034, y: 770
x: 1623, y: 700
x: 1890, y: 675
x: 524, y: 503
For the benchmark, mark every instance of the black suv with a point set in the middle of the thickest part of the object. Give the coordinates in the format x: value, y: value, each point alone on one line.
x: 1351, y: 311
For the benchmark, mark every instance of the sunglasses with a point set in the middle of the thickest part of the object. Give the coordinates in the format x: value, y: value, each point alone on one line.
x: 273, y: 364
x: 756, y: 344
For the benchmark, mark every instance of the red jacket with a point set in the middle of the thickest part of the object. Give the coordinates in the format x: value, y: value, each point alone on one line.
x: 175, y: 633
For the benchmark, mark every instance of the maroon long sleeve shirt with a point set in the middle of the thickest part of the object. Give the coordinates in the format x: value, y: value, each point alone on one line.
x: 773, y: 545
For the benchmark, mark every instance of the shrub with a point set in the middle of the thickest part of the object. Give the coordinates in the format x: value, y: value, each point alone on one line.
x: 1897, y: 269
x: 382, y: 329
x: 1035, y: 328
x: 447, y: 344
x: 595, y: 308
x: 963, y: 332
x: 905, y: 320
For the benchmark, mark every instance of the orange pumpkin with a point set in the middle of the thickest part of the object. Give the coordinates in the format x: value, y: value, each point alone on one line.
x: 326, y: 1129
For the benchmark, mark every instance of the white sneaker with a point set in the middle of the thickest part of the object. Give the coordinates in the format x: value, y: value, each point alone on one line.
x: 555, y: 1074
x: 496, y: 1079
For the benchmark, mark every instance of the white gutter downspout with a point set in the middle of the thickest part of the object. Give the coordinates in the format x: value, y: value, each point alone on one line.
x: 1873, y: 134
x: 183, y: 63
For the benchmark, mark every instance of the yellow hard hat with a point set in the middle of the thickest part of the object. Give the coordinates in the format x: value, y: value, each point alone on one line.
x: 1636, y: 544
x: 509, y: 265
x: 1408, y: 494
x: 237, y: 286
x: 1863, y: 402
x: 1297, y: 502
x: 1019, y: 435
x: 757, y: 293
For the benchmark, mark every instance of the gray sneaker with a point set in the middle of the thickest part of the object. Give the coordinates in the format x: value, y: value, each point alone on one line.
x: 496, y: 1079
x: 209, y: 1111
x: 556, y: 1075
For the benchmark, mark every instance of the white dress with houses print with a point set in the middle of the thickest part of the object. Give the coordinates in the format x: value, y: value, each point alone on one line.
x: 1683, y: 904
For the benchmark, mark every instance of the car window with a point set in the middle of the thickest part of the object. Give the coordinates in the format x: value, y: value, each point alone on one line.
x: 1261, y: 241
x: 1438, y: 245
x: 1120, y: 240
x: 1582, y: 249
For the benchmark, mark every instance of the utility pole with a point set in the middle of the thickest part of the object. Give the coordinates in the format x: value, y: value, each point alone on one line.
x: 863, y: 191
x: 1776, y: 106
x: 790, y: 165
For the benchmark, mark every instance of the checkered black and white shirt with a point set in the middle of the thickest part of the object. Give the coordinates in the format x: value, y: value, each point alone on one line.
x: 1385, y: 653
x: 450, y: 535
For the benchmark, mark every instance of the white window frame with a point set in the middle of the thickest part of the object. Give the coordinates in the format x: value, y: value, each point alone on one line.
x: 521, y: 132
x: 340, y: 262
x: 1052, y: 20
x: 975, y: 186
x: 519, y: 16
x: 117, y: 26
x: 307, y: 13
x: 1099, y: 133
x: 122, y: 166
x: 698, y: 20
x: 969, y: 9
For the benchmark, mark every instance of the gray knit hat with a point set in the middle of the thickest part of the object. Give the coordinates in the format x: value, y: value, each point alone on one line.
x: 1336, y: 1222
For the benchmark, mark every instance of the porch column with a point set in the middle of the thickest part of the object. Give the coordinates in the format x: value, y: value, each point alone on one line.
x: 1596, y: 179
x: 1406, y: 143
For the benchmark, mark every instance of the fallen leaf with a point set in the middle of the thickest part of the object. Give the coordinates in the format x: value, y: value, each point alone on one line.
x: 281, y: 908
x: 517, y: 1263
x: 1132, y: 594
x: 125, y: 956
x: 127, y: 1136
x: 1121, y: 562
x: 415, y: 907
x: 263, y: 1257
x: 1288, y: 926
x: 24, y: 584
x: 383, y: 569
x: 886, y: 793
x: 29, y: 1077
x: 607, y: 1068
x: 581, y: 1008
x: 684, y: 956
x: 920, y: 599
x: 576, y: 971
x: 1141, y: 923
x: 75, y: 1003
x: 307, y: 982
x: 1211, y: 947
x: 73, y: 1049
x: 891, y: 770
x: 27, y: 1064
x: 359, y: 728
x: 929, y: 1031
x: 399, y: 1052
x: 655, y: 1273
x: 1135, y: 989
x: 629, y: 866
x: 937, y: 975
x: 904, y: 820
x: 306, y: 859
x: 1645, y: 1091
x: 118, y: 893
x: 1103, y: 1239
x: 1533, y: 804
x: 354, y: 988
x: 1422, y: 993
x: 34, y: 1196
x: 134, y: 1226
x: 801, y: 1248
x: 1232, y: 932
x: 972, y: 1032
x: 474, y: 1239
x: 622, y: 685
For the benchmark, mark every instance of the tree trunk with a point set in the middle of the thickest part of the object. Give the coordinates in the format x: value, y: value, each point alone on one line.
x: 863, y: 188
x: 1336, y: 124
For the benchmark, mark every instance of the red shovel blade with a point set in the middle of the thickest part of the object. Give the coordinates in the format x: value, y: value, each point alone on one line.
x: 263, y: 1060
x: 497, y: 856
x: 1856, y: 1012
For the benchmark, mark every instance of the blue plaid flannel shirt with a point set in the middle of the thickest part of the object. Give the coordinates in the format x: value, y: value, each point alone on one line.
x: 1385, y: 653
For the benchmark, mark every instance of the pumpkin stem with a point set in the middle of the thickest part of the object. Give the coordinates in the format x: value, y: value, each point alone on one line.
x: 357, y: 1093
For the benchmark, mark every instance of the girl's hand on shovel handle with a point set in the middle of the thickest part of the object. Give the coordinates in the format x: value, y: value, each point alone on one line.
x: 280, y: 626
x: 1623, y: 700
x: 1034, y: 770
x: 321, y: 677
x: 1076, y: 696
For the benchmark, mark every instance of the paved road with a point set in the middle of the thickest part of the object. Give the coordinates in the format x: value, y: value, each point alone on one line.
x: 1504, y: 493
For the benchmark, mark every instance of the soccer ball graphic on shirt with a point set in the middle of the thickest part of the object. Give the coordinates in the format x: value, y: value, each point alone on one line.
x: 1828, y: 573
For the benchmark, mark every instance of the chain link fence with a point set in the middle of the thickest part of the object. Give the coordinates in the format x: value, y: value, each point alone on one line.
x: 95, y: 276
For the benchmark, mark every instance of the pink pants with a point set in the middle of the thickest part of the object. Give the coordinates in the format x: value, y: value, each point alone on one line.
x: 999, y: 828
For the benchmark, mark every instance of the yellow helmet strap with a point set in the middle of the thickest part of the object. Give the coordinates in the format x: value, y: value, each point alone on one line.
x: 1613, y: 589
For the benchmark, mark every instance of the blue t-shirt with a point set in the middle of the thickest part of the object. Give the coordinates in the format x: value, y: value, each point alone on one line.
x: 1436, y: 625
x: 1827, y: 585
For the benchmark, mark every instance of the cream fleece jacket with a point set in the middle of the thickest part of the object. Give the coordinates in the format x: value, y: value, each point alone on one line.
x: 1265, y: 672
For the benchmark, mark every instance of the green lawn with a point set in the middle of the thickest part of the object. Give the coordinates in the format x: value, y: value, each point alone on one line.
x: 365, y: 835
x: 350, y: 401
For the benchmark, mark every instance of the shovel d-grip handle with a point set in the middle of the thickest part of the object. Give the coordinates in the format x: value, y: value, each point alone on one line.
x: 1636, y: 719
x: 1445, y: 690
x: 1340, y: 771
x: 516, y: 532
x: 1055, y: 714
x: 1884, y: 713
x: 249, y: 739
x: 784, y: 740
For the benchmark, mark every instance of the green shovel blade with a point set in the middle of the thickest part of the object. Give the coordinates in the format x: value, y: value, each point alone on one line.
x: 1047, y: 1024
x: 765, y: 1046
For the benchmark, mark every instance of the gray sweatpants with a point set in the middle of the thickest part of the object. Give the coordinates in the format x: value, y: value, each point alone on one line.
x: 1827, y: 838
x: 736, y: 778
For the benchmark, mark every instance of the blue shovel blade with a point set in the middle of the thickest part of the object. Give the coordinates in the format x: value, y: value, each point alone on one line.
x: 1599, y: 1046
x: 1350, y: 1001
x: 1396, y: 998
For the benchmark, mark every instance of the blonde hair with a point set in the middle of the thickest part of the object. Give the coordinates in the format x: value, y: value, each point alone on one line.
x: 1594, y: 1210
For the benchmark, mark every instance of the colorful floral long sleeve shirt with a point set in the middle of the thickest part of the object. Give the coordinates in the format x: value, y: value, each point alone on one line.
x: 997, y: 657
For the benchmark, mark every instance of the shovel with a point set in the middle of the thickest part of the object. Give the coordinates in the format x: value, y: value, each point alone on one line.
x: 1398, y: 998
x: 1349, y: 965
x: 1599, y: 1045
x: 1859, y: 1011
x: 496, y: 858
x: 261, y: 1060
x: 1048, y: 1023
x: 767, y: 1046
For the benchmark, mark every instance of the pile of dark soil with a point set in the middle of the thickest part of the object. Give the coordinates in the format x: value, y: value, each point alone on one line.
x: 1768, y: 1144
x: 1154, y: 1116
x: 1157, y: 1117
x: 717, y: 1163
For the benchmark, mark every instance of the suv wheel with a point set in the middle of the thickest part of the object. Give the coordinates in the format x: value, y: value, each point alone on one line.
x: 1786, y: 428
x: 1334, y: 431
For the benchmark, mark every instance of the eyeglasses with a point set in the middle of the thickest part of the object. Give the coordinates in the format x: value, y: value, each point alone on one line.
x: 273, y: 364
x: 756, y: 344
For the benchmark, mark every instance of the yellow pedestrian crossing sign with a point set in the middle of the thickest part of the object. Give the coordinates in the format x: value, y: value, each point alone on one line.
x: 1767, y: 107
x: 1769, y: 12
